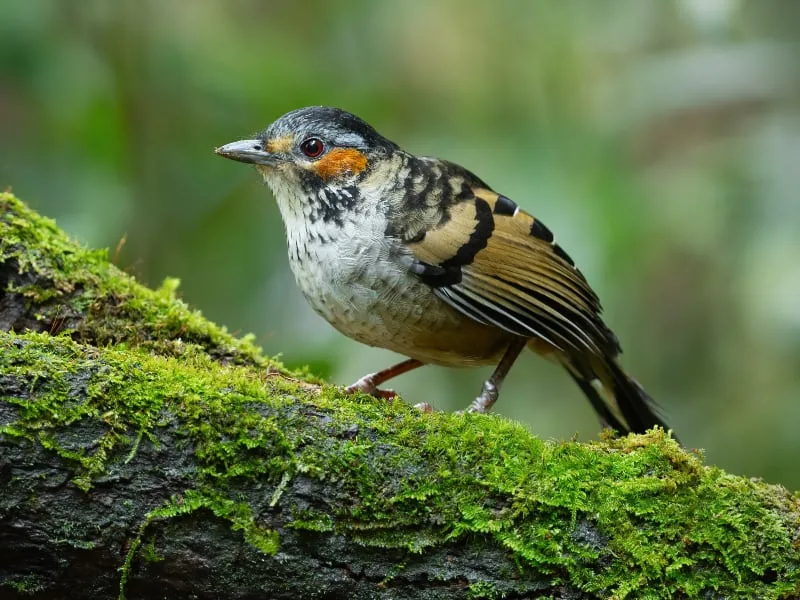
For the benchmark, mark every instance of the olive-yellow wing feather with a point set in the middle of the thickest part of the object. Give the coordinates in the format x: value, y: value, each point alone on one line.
x: 500, y: 266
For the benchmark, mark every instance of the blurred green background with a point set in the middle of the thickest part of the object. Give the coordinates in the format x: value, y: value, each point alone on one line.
x: 659, y: 139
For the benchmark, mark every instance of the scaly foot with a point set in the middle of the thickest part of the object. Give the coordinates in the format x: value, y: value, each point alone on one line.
x: 367, y: 385
x: 488, y: 396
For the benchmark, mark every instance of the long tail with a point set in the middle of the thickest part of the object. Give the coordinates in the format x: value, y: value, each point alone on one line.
x: 619, y: 400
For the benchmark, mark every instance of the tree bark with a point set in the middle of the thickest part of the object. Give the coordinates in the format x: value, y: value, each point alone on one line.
x: 146, y: 453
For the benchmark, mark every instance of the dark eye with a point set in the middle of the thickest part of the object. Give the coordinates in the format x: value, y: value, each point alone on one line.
x: 312, y: 147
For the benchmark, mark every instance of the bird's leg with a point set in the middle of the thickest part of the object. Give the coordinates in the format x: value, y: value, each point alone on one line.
x: 369, y: 383
x: 491, y: 387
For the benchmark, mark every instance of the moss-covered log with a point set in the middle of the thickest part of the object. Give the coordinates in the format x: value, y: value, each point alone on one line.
x: 145, y: 452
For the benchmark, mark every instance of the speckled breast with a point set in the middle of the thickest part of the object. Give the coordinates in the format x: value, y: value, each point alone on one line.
x: 363, y: 288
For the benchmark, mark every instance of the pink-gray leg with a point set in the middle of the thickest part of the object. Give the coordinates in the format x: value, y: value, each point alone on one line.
x: 491, y: 387
x: 369, y: 383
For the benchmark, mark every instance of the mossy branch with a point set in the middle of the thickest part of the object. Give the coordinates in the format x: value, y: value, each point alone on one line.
x: 145, y: 452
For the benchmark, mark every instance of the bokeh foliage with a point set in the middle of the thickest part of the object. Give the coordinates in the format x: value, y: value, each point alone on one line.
x: 658, y: 139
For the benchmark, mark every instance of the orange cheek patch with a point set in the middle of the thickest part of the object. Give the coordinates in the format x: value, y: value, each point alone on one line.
x: 339, y: 161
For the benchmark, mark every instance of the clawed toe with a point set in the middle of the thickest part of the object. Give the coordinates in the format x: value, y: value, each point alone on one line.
x: 369, y: 383
x: 488, y: 396
x: 366, y: 385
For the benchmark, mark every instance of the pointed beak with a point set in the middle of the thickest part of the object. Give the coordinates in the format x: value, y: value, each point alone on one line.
x: 247, y: 151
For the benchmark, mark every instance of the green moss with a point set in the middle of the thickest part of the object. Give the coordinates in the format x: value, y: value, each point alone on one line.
x: 69, y: 285
x: 222, y: 438
x: 663, y: 522
x: 482, y: 590
x: 238, y: 514
x: 25, y: 585
x: 150, y: 553
x: 634, y: 517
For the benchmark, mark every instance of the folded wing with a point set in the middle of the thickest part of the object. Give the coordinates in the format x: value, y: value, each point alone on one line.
x: 500, y: 266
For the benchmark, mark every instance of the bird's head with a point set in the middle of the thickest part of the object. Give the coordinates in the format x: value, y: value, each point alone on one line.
x: 313, y: 158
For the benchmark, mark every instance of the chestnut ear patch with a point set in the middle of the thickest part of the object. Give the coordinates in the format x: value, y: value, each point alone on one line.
x: 339, y: 161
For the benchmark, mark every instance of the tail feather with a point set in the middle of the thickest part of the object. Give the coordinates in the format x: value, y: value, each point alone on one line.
x: 636, y: 405
x: 629, y: 409
x: 607, y: 417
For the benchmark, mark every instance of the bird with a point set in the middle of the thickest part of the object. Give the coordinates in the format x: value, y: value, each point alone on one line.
x: 420, y: 256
